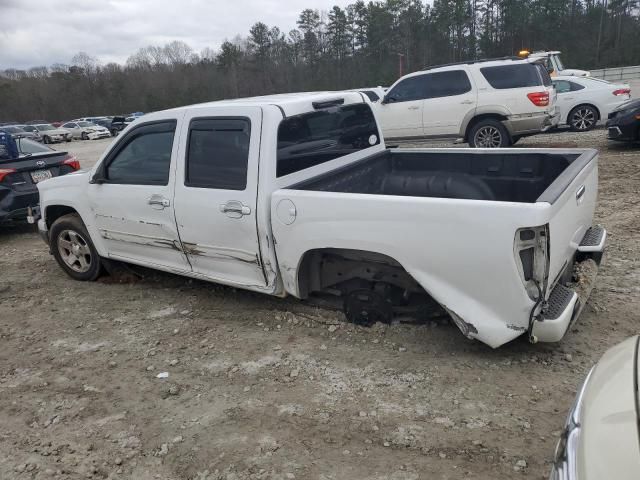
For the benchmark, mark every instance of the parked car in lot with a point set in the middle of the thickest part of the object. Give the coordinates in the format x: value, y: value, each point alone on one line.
x: 489, y: 103
x: 20, y: 174
x: 50, y: 134
x: 583, y: 102
x: 623, y: 123
x: 86, y: 130
x: 601, y: 435
x: 18, y: 132
x: 204, y: 191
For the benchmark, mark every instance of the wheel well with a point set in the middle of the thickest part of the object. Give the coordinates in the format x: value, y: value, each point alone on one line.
x: 586, y: 105
x: 54, y: 212
x: 478, y: 118
x: 331, y: 268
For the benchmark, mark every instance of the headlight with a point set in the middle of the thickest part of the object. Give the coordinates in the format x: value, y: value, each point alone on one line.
x: 565, y: 459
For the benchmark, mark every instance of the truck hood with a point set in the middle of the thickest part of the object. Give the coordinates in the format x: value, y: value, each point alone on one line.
x: 609, y: 446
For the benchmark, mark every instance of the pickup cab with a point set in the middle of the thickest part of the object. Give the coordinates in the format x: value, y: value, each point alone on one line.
x: 297, y: 194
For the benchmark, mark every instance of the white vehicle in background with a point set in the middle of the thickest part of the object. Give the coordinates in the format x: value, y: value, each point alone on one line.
x: 583, y: 102
x: 86, y: 130
x: 51, y: 134
x: 551, y: 60
x: 487, y: 103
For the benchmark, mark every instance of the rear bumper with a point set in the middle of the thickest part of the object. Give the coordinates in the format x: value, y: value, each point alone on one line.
x: 519, y: 125
x: 565, y: 303
x: 13, y: 205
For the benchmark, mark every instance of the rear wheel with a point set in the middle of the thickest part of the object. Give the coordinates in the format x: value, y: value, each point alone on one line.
x: 582, y: 118
x: 489, y: 133
x: 73, y: 249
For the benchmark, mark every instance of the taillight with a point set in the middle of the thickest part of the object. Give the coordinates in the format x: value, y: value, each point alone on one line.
x: 622, y: 91
x: 539, y: 99
x: 6, y: 171
x: 73, y: 162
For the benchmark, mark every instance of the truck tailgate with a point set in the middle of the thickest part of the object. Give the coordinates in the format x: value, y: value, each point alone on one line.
x: 572, y: 199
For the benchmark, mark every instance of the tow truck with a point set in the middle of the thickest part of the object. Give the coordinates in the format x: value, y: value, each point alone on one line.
x: 551, y: 59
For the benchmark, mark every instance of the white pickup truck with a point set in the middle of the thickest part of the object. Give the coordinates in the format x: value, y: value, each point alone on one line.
x: 297, y: 195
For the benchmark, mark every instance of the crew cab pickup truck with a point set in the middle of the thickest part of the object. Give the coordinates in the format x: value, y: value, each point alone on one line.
x: 297, y: 195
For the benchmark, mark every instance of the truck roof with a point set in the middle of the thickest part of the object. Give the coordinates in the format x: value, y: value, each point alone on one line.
x: 289, y: 103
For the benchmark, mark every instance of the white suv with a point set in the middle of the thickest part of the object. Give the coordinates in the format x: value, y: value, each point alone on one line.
x: 489, y: 103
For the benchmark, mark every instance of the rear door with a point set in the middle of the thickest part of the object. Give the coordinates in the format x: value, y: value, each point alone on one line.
x: 133, y: 209
x: 400, y: 114
x: 215, y: 194
x: 449, y: 98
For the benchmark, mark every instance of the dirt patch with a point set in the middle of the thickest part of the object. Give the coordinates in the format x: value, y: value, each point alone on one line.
x: 263, y: 388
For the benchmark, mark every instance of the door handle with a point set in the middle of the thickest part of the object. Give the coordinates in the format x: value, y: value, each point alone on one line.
x: 466, y: 102
x: 235, y: 209
x: 413, y: 108
x: 158, y: 200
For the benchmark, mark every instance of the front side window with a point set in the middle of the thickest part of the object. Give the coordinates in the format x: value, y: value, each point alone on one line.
x: 447, y: 84
x: 409, y: 89
x: 218, y: 153
x: 575, y: 86
x: 512, y: 76
x: 69, y: 125
x: 144, y: 157
x: 313, y: 138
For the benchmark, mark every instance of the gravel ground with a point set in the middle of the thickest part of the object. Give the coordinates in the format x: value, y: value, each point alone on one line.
x: 265, y: 388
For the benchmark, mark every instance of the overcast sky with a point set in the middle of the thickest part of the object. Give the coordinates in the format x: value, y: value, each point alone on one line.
x: 43, y: 32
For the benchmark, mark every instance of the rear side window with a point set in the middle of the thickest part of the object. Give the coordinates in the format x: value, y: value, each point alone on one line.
x: 144, y: 157
x: 512, y: 76
x: 317, y: 137
x: 218, y: 153
x: 447, y: 84
x: 544, y: 75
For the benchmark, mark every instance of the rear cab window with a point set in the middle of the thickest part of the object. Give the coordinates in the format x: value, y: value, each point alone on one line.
x: 513, y: 76
x: 317, y: 137
x: 218, y: 153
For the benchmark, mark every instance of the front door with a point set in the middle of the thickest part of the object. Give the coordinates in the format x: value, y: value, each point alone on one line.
x: 400, y: 114
x: 215, y: 194
x: 133, y: 206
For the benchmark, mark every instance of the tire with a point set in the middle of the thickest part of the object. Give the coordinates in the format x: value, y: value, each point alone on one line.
x: 114, y: 133
x: 46, y: 140
x: 73, y: 249
x: 84, y: 136
x: 582, y: 118
x: 489, y: 133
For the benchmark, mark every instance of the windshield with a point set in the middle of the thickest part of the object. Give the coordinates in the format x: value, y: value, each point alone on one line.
x: 45, y: 127
x: 86, y: 124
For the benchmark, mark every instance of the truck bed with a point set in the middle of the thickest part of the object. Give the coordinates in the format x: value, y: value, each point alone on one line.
x: 526, y: 177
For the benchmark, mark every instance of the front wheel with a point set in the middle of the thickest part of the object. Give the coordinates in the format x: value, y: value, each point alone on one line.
x: 489, y: 134
x: 73, y: 249
x: 46, y: 139
x: 84, y: 136
x: 582, y: 118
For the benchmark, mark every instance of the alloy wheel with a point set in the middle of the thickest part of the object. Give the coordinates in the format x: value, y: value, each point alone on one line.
x: 488, y: 137
x: 583, y: 118
x: 74, y: 251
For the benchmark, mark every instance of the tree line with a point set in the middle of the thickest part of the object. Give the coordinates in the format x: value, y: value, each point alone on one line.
x: 364, y: 44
